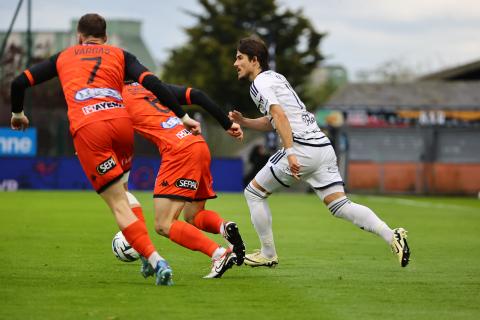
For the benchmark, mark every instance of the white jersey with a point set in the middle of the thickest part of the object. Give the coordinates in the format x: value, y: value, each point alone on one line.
x: 270, y: 88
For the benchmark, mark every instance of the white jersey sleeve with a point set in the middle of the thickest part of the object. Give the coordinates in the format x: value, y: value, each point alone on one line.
x: 263, y: 95
x: 271, y: 88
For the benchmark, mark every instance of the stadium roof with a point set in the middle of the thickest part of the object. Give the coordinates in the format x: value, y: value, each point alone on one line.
x: 439, y: 95
x: 466, y: 72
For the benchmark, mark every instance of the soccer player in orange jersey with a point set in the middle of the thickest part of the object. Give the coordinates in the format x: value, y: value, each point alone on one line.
x: 92, y: 75
x: 184, y: 181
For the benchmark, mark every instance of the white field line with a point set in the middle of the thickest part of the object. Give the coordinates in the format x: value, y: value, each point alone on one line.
x: 421, y: 204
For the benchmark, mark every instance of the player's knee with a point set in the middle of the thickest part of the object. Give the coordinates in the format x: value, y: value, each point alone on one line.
x: 162, y: 228
x: 189, y: 218
x: 253, y: 193
x: 337, y: 206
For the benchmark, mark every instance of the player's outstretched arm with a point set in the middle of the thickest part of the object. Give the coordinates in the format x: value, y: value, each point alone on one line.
x: 134, y: 70
x: 261, y: 124
x: 200, y: 98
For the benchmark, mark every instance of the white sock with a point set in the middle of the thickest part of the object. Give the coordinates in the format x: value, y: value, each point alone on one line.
x: 222, y: 229
x: 361, y: 216
x: 217, y: 254
x: 154, y: 258
x: 261, y: 218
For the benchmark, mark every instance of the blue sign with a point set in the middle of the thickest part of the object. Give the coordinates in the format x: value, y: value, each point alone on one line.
x: 18, y: 143
x: 65, y: 173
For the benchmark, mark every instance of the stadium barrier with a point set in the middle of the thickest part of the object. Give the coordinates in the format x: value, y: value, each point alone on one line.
x: 65, y: 173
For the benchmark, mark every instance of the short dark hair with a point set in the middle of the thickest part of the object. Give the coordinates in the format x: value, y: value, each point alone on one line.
x: 92, y: 24
x: 253, y: 46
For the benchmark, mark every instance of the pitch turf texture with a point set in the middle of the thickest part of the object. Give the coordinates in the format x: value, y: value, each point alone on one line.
x: 56, y: 263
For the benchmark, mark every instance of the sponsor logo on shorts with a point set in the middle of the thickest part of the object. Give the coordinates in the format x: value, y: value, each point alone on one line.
x: 106, y: 166
x: 90, y: 93
x: 186, y: 184
x: 182, y: 134
x: 101, y: 106
x: 171, y: 123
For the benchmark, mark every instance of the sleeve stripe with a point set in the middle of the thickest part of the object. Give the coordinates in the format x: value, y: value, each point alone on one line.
x: 143, y: 75
x: 187, y: 96
x: 30, y: 77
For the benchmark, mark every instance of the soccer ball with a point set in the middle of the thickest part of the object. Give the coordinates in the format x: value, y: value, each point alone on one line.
x: 122, y: 249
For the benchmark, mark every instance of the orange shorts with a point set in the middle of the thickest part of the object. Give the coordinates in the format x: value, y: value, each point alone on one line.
x: 105, y: 149
x: 185, y: 175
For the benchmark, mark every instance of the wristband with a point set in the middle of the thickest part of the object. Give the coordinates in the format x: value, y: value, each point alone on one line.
x: 289, y: 151
x: 18, y: 115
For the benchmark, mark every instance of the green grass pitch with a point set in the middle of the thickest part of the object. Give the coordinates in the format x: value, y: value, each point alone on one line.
x: 56, y: 263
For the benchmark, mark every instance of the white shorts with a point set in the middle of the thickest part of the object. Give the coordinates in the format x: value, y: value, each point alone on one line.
x: 318, y: 167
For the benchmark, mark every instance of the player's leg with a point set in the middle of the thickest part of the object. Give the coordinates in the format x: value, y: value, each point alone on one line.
x: 188, y: 236
x: 364, y: 217
x: 132, y: 200
x: 210, y: 221
x: 97, y: 146
x: 328, y: 185
x: 167, y: 224
x: 207, y: 220
x: 182, y: 177
x: 273, y: 176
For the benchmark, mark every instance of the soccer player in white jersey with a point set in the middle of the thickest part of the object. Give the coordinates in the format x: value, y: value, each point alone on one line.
x: 307, y: 154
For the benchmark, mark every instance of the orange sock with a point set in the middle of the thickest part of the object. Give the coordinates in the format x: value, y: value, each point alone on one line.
x: 139, y: 213
x: 137, y: 235
x: 209, y: 221
x: 190, y: 237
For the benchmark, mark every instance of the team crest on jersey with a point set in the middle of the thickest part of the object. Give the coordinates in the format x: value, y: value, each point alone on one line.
x: 262, y: 104
x: 171, y: 122
x: 106, y: 166
x: 186, y: 184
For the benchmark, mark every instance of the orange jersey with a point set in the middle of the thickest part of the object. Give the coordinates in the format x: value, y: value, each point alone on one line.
x: 92, y: 79
x: 155, y: 121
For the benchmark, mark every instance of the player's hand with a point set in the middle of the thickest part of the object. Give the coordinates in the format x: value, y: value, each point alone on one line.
x: 235, y: 131
x: 294, y: 166
x: 19, y: 122
x: 236, y: 116
x: 192, y: 125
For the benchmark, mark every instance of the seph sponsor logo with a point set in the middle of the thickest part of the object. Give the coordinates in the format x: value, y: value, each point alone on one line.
x: 90, y: 93
x: 106, y: 166
x: 186, y: 184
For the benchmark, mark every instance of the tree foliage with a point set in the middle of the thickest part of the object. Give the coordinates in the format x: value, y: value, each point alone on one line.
x: 206, y: 60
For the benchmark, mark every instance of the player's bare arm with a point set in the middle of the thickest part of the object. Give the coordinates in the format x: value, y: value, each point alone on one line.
x: 260, y: 124
x: 285, y: 131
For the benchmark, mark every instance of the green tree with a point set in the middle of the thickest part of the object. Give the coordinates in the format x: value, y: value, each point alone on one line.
x: 206, y: 60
